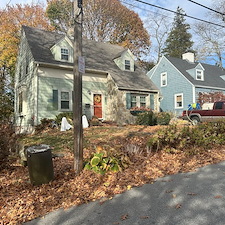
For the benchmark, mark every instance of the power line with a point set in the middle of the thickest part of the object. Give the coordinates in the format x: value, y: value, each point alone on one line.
x: 148, y: 10
x: 182, y: 14
x: 207, y: 7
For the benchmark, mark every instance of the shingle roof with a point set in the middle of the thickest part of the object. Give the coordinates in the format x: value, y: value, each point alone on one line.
x: 98, y: 56
x: 211, y: 73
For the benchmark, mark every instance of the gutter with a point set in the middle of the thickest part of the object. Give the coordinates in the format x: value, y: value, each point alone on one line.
x: 138, y: 90
x: 69, y: 67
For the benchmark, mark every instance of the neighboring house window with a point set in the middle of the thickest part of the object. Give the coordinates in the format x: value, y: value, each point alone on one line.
x: 127, y: 64
x: 142, y: 101
x: 163, y: 79
x: 199, y: 75
x: 20, y: 102
x: 133, y: 101
x: 178, y: 101
x: 64, y: 54
x: 65, y: 100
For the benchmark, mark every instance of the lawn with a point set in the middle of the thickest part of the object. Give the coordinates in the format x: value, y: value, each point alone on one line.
x: 20, y: 201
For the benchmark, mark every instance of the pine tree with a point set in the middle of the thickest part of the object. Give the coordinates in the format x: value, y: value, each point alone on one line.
x: 179, y: 39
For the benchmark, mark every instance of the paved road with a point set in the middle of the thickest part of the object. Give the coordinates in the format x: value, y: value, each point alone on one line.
x: 194, y: 198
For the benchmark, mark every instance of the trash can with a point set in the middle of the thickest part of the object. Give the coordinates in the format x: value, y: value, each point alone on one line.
x: 40, y: 166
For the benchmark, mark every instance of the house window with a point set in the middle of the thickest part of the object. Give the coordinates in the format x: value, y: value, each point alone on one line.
x: 127, y: 64
x: 199, y: 75
x: 65, y: 100
x: 138, y: 101
x: 64, y: 54
x: 163, y: 79
x: 20, y: 102
x: 133, y: 101
x: 178, y: 101
x: 143, y: 101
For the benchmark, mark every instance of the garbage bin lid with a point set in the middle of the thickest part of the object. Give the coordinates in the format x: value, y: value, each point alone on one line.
x: 38, y: 148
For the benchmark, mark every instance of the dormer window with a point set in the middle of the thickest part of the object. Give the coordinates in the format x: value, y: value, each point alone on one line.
x: 127, y: 64
x: 199, y: 75
x: 64, y: 54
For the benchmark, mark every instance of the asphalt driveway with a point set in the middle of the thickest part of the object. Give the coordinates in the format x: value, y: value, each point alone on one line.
x: 194, y: 198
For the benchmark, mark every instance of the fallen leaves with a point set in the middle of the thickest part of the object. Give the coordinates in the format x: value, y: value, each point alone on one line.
x: 21, y: 202
x: 124, y: 217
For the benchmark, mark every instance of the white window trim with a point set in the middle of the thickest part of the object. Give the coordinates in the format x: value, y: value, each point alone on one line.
x: 175, y: 101
x: 162, y: 75
x: 202, y: 74
x: 70, y: 101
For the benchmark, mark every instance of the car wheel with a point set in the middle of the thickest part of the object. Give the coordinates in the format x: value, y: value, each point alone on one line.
x: 195, y: 120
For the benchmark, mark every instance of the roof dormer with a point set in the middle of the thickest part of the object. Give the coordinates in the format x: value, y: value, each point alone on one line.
x: 63, y: 50
x: 199, y: 72
x: 125, y: 60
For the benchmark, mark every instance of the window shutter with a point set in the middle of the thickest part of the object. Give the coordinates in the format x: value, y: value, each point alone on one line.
x: 55, y: 99
x: 128, y: 100
x: 152, y: 101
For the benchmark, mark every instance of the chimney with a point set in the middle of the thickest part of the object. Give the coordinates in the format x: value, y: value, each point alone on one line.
x: 189, y: 56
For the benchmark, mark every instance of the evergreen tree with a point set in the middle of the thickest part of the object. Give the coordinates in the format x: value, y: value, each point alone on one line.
x: 178, y: 40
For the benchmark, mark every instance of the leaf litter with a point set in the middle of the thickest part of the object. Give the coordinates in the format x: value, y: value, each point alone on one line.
x: 21, y: 202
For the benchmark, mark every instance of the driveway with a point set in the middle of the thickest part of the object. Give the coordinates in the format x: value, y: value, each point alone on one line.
x: 194, y: 198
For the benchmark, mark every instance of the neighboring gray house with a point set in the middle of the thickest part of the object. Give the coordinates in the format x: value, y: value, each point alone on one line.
x: 112, y: 82
x: 181, y: 80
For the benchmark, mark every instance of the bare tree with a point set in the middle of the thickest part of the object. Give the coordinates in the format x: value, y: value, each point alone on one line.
x: 211, y: 43
x: 159, y: 26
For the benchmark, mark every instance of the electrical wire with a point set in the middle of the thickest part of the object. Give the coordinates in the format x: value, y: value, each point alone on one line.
x: 147, y: 10
x: 182, y: 14
x: 223, y: 14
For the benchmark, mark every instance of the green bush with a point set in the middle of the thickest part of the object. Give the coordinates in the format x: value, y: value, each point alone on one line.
x: 146, y: 118
x: 68, y: 115
x: 163, y: 118
x: 101, y: 162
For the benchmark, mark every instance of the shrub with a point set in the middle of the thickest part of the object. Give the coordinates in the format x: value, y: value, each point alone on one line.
x: 68, y: 115
x: 146, y: 118
x: 45, y: 123
x: 189, y: 139
x: 163, y: 118
x: 103, y: 161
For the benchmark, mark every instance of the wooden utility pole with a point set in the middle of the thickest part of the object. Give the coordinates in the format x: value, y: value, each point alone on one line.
x: 77, y: 87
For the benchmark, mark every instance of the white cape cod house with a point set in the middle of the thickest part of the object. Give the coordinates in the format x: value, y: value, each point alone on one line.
x: 112, y: 82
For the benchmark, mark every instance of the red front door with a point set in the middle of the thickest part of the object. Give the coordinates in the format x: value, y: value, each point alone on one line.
x: 98, y: 105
